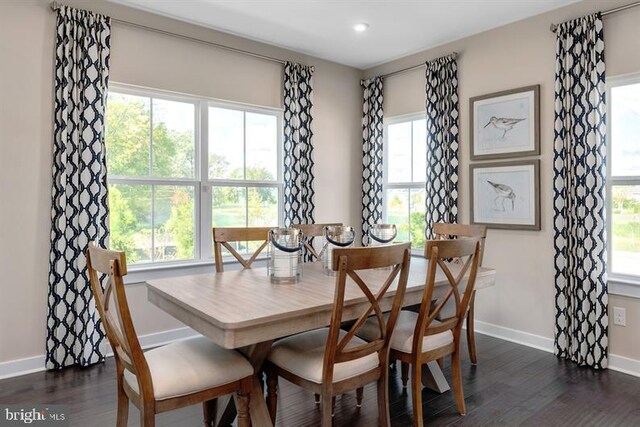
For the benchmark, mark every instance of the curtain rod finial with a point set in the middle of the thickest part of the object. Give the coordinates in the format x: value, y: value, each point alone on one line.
x: 553, y: 28
x: 55, y: 6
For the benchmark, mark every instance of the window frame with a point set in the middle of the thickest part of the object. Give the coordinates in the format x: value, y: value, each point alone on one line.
x: 386, y: 185
x: 619, y: 284
x: 201, y: 183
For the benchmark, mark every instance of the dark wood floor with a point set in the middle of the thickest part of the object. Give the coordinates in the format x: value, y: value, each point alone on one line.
x: 512, y: 385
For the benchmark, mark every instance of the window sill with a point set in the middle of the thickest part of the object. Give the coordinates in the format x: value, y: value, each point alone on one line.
x: 138, y: 274
x: 624, y: 286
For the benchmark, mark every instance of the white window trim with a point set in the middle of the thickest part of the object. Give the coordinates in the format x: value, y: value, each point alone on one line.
x: 386, y: 185
x: 203, y: 245
x: 619, y: 284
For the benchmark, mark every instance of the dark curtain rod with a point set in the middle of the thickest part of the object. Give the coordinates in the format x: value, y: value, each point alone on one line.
x: 55, y: 6
x: 554, y: 27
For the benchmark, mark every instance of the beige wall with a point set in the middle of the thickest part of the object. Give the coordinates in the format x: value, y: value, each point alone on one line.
x: 142, y: 58
x: 518, y: 55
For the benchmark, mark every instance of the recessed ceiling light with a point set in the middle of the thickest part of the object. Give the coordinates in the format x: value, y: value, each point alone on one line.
x: 361, y: 27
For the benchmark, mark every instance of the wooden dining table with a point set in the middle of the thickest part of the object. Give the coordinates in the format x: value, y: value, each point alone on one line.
x: 242, y: 309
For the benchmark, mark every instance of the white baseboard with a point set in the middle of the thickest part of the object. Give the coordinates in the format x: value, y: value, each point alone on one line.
x: 616, y: 363
x: 624, y: 365
x: 28, y: 365
x: 514, y: 335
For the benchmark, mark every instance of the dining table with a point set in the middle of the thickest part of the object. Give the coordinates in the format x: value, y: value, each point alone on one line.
x: 244, y: 310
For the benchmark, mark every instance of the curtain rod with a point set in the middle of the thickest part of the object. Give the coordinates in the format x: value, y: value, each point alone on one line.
x: 404, y: 70
x: 55, y: 6
x: 554, y: 27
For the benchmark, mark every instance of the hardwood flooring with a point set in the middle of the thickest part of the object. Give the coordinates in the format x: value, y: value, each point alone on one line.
x: 511, y: 385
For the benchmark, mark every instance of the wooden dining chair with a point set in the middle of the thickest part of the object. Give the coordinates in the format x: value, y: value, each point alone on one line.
x: 224, y: 236
x: 419, y: 338
x: 446, y: 231
x: 168, y: 377
x: 310, y: 232
x: 331, y: 361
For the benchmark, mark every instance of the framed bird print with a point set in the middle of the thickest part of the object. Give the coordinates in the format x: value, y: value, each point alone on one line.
x: 506, y: 194
x: 505, y: 124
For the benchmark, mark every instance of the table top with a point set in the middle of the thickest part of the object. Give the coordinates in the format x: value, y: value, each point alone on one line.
x: 238, y: 308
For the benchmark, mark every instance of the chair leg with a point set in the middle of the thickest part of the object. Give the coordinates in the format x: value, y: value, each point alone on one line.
x: 326, y: 409
x: 147, y: 416
x: 416, y: 393
x: 457, y: 382
x: 384, y: 418
x: 404, y: 373
x: 272, y: 393
x: 123, y: 406
x: 209, y: 411
x: 471, y: 338
x: 243, y: 410
x: 359, y: 395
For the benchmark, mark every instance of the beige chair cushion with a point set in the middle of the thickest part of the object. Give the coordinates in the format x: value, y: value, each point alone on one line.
x: 303, y: 355
x: 402, y: 338
x: 190, y: 366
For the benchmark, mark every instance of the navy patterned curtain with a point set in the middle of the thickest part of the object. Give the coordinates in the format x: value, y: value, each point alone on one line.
x: 442, y: 142
x: 372, y: 154
x: 79, y: 213
x: 298, y: 147
x: 579, y: 193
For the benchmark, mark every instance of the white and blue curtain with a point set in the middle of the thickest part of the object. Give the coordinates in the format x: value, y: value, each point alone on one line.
x: 372, y: 153
x: 579, y: 193
x: 442, y: 109
x: 79, y: 212
x: 298, y: 146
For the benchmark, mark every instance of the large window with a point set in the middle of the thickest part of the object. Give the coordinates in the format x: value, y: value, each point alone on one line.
x: 623, y: 169
x: 405, y: 168
x: 179, y: 165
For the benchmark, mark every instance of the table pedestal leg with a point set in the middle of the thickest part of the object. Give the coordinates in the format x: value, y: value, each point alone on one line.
x: 433, y: 377
x: 256, y: 354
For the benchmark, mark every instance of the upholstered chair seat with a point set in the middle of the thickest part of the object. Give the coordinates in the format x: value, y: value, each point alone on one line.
x: 303, y: 355
x: 191, y: 366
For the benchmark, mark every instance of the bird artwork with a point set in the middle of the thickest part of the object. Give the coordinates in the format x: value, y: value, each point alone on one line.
x: 503, y: 124
x: 504, y: 193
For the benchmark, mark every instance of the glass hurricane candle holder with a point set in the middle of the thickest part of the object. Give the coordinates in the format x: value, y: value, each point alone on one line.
x: 285, y: 255
x: 335, y: 236
x: 381, y: 234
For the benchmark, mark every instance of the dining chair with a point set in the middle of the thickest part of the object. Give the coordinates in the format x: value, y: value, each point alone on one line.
x: 446, y: 231
x: 419, y: 338
x: 224, y: 236
x: 168, y: 377
x: 311, y: 231
x: 331, y: 361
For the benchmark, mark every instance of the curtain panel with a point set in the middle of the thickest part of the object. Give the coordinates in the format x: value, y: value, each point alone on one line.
x: 442, y: 109
x: 298, y: 147
x: 579, y: 193
x: 372, y: 154
x: 79, y: 212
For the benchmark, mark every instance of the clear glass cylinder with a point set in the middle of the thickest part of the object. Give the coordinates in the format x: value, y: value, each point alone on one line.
x: 335, y: 236
x: 381, y: 234
x: 285, y: 255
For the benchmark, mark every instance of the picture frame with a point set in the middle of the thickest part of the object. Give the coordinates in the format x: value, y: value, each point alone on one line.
x: 505, y: 124
x: 506, y: 195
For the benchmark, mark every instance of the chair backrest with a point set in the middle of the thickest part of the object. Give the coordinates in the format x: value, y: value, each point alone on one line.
x: 443, y: 230
x: 347, y: 262
x: 117, y: 321
x: 310, y: 231
x: 223, y: 236
x: 467, y: 250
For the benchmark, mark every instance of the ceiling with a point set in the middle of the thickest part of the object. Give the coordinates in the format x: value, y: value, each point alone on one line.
x: 324, y: 28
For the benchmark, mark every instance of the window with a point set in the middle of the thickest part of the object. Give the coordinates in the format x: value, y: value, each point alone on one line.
x: 164, y: 196
x: 405, y: 169
x: 623, y: 170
